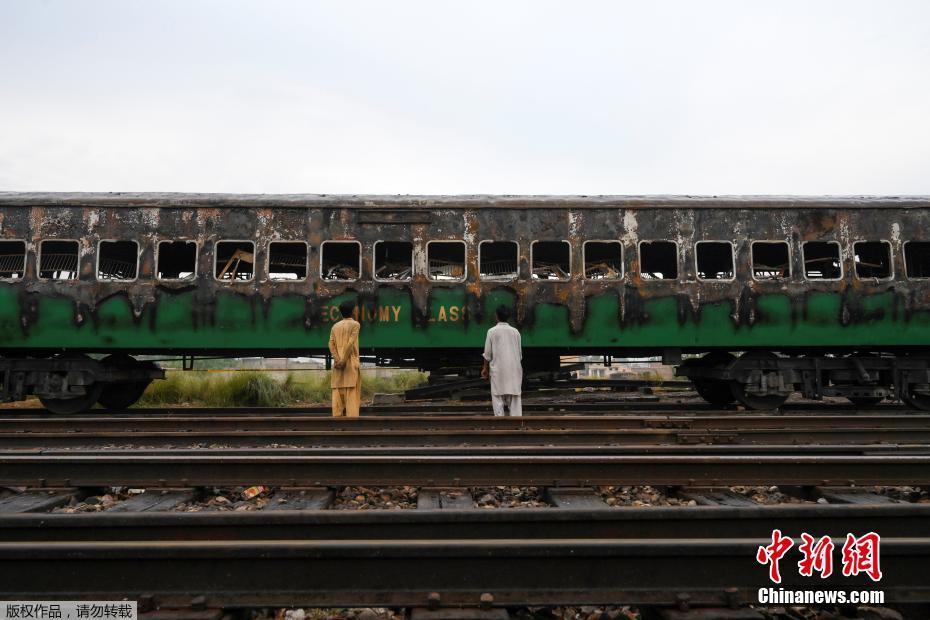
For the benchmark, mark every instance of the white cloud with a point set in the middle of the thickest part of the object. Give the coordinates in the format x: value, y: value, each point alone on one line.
x: 417, y: 97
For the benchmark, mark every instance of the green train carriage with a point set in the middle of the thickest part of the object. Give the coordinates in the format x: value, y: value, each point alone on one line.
x: 828, y: 296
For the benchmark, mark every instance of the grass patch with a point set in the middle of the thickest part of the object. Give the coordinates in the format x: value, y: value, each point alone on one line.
x: 263, y: 389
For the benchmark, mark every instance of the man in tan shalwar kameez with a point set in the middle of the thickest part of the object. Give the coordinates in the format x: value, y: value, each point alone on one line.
x: 346, y: 375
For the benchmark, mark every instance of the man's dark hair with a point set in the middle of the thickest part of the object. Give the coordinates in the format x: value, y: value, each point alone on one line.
x: 346, y: 308
x: 503, y: 313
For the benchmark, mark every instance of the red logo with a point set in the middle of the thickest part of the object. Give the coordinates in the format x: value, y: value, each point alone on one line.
x: 859, y: 555
x: 818, y: 556
x: 772, y: 553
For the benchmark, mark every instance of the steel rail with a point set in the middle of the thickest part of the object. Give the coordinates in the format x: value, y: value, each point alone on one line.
x: 614, y: 407
x: 208, y: 469
x: 444, y: 423
x: 491, y: 450
x: 891, y: 520
x: 404, y: 573
x: 488, y: 438
x: 298, y: 431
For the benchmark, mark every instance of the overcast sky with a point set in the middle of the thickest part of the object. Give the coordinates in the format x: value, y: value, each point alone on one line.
x: 437, y: 97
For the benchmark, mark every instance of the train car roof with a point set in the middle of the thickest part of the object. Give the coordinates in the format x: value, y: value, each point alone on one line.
x: 361, y: 201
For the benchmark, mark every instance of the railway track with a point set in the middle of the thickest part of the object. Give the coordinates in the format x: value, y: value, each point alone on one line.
x: 532, y: 408
x: 261, y: 422
x: 659, y: 556
x: 218, y: 468
x: 450, y: 431
x: 426, y: 572
x: 441, y: 557
x: 896, y: 521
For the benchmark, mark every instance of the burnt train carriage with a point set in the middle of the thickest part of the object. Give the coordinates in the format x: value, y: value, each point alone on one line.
x: 824, y: 295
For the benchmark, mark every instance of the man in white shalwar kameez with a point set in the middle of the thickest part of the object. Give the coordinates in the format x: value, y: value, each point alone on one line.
x: 502, y: 362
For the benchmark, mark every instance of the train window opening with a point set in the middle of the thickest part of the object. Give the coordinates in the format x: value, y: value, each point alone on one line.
x: 917, y: 259
x: 551, y: 260
x: 603, y: 260
x: 446, y: 260
x: 658, y: 260
x: 393, y: 260
x: 58, y: 260
x: 176, y: 260
x: 822, y: 260
x: 287, y: 260
x: 873, y: 259
x: 117, y: 260
x: 714, y: 260
x: 771, y: 260
x: 498, y: 260
x: 234, y: 261
x: 340, y: 260
x: 12, y: 260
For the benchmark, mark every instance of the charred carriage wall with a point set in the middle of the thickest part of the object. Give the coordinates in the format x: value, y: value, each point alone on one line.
x: 541, y: 282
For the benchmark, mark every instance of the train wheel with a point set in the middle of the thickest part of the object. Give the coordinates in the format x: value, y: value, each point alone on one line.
x: 74, y: 404
x: 915, y: 400
x: 755, y: 401
x: 78, y: 404
x: 714, y: 391
x: 122, y: 395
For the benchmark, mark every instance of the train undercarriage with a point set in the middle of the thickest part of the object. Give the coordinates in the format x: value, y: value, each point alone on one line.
x: 764, y: 380
x: 74, y: 382
x: 757, y: 379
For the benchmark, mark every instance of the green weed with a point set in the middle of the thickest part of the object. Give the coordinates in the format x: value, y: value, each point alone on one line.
x: 263, y: 389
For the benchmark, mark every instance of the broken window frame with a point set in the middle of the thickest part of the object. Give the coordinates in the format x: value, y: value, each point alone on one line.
x: 890, y: 256
x: 839, y: 253
x: 98, y: 255
x: 77, y: 273
x: 323, y: 254
x: 189, y: 278
x: 904, y: 254
x: 639, y: 256
x: 430, y: 277
x: 752, y: 261
x: 503, y: 278
x: 568, y: 276
x: 374, y: 260
x: 25, y: 259
x: 584, y: 259
x: 306, y: 261
x: 697, y: 272
x: 216, y: 257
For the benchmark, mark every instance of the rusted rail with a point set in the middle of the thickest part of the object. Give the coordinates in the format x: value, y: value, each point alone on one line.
x: 443, y: 408
x: 404, y: 573
x: 863, y: 438
x: 893, y: 520
x: 206, y: 469
x: 450, y: 431
x: 447, y: 423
